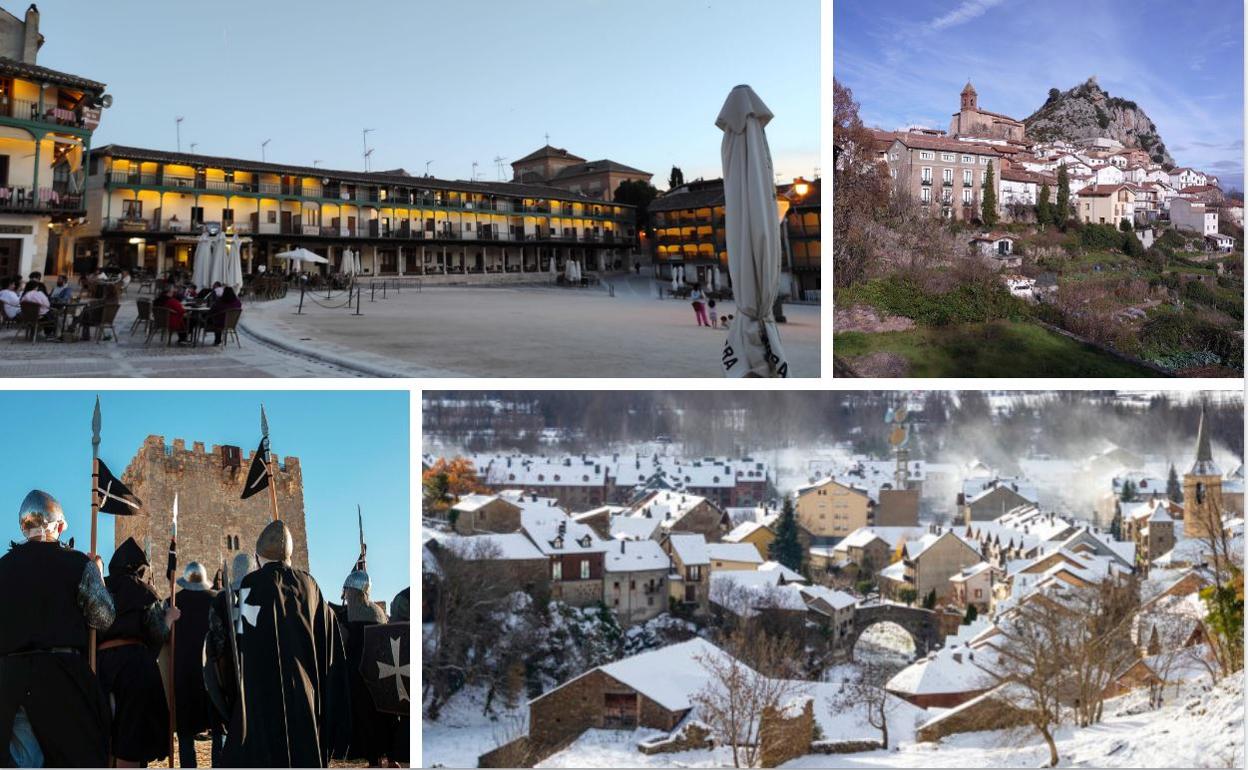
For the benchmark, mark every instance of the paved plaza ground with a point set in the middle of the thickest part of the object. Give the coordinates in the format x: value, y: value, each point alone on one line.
x: 522, y: 331
x: 128, y: 357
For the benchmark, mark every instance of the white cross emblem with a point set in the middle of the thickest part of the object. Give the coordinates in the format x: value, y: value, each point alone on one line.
x: 248, y: 612
x: 385, y: 670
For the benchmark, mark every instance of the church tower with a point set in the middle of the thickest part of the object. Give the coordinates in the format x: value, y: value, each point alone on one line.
x: 1202, y: 488
x: 970, y: 99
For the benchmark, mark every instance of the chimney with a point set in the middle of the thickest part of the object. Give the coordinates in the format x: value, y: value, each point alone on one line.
x: 30, y: 35
x: 621, y: 547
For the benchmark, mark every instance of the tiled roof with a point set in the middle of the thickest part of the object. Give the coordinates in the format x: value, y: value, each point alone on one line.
x: 1101, y: 189
x: 546, y: 151
x: 361, y: 177
x: 917, y: 141
x: 43, y: 74
x: 596, y: 167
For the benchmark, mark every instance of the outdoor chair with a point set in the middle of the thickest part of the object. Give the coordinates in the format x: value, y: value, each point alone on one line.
x: 144, y: 317
x: 229, y: 327
x: 28, y: 322
x: 159, y: 325
x: 108, y: 314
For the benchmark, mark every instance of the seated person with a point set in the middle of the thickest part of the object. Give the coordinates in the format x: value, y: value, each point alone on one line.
x: 37, y: 278
x: 208, y: 294
x: 32, y: 295
x: 224, y: 299
x: 188, y: 292
x: 177, y: 313
x: 63, y: 294
x: 10, y: 301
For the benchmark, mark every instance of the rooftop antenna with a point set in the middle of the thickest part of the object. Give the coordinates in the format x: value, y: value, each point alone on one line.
x: 263, y: 144
x: 474, y: 171
x: 193, y: 146
x: 367, y: 152
x: 498, y: 164
x: 428, y: 163
x: 547, y: 138
x: 315, y: 163
x: 177, y: 122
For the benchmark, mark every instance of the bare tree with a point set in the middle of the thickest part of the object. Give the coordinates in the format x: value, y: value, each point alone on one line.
x: 752, y: 676
x: 872, y: 700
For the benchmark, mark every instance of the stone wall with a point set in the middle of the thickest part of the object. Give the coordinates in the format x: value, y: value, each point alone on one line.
x: 211, y: 516
x: 783, y: 737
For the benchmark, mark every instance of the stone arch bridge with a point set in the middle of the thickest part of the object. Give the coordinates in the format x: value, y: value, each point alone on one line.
x: 928, y: 628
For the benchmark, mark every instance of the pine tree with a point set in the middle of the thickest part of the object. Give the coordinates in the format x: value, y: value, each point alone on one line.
x: 988, y: 211
x: 786, y: 548
x: 1128, y: 491
x: 676, y: 178
x: 1174, y: 490
x: 1044, y: 210
x: 971, y: 614
x: 1063, y: 198
x: 929, y: 601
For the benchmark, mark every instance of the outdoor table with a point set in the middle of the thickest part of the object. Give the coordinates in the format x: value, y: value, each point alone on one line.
x: 66, y: 313
x: 196, y: 318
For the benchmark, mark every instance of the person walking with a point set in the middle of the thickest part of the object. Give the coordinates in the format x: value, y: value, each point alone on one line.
x: 699, y: 305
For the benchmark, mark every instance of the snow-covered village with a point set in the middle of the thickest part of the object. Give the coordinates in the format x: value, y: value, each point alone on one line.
x: 836, y: 579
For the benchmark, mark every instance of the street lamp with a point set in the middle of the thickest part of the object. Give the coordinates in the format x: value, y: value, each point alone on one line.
x: 788, y: 200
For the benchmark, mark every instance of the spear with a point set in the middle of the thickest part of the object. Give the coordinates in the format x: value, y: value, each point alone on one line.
x: 173, y: 592
x: 361, y: 564
x: 235, y: 658
x: 268, y: 466
x: 95, y: 506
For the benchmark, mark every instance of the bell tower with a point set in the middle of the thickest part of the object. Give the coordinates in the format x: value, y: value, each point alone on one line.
x: 1202, y: 488
x: 970, y: 99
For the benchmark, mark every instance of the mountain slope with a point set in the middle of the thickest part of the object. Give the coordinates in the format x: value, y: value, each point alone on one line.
x: 1087, y: 111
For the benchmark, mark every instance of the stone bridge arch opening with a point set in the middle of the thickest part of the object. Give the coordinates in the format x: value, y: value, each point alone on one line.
x: 927, y: 628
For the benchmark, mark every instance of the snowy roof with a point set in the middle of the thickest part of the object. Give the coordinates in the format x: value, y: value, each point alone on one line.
x: 609, y: 510
x: 966, y: 573
x: 743, y: 530
x: 894, y: 571
x: 739, y: 552
x: 633, y: 527
x: 669, y: 676
x: 788, y: 574
x: 511, y: 546
x: 666, y: 507
x: 690, y: 548
x: 891, y: 535
x: 838, y: 600
x: 974, y: 489
x: 529, y: 500
x: 470, y: 503
x: 636, y: 556
x: 952, y: 669
x: 555, y: 533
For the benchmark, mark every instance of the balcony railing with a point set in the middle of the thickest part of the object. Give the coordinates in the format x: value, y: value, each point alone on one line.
x: 41, y: 199
x: 28, y: 109
x: 926, y: 182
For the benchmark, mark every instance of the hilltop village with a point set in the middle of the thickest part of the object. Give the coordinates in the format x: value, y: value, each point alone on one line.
x: 626, y: 607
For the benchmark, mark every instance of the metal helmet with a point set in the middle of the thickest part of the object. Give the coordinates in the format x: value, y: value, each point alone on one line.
x: 275, y: 542
x: 359, y: 580
x: 194, y: 577
x: 39, y: 511
x: 401, y: 606
x: 243, y: 564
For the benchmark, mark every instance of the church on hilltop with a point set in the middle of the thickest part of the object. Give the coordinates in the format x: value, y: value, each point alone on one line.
x: 972, y: 121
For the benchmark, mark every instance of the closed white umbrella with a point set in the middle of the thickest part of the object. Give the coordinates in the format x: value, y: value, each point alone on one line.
x: 576, y: 271
x: 234, y: 263
x: 752, y: 226
x: 347, y: 265
x: 675, y: 282
x: 216, y: 269
x: 303, y: 255
x: 200, y: 271
x: 569, y: 270
x: 553, y: 271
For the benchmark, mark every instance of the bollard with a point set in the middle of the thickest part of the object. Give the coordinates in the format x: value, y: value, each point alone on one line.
x: 357, y: 302
x: 383, y: 289
x: 300, y: 311
x: 372, y: 292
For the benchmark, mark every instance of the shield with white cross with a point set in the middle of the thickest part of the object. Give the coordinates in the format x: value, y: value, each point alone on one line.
x: 385, y: 667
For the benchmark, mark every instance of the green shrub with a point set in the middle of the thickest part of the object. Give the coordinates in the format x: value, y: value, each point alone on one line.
x: 1101, y: 237
x: 967, y: 303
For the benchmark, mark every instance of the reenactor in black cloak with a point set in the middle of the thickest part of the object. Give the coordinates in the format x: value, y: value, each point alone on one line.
x: 126, y: 659
x: 194, y: 714
x: 52, y: 712
x: 219, y: 674
x: 294, y: 674
x: 370, y: 729
x: 400, y: 744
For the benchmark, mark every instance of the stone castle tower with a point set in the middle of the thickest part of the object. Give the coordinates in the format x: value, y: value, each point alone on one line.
x: 213, y: 523
x: 1202, y: 488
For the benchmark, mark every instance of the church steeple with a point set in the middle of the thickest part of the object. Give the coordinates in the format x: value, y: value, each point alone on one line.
x: 969, y: 97
x: 1204, y: 465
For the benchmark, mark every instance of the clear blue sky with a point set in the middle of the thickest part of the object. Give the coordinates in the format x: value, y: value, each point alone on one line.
x: 1182, y: 63
x: 639, y: 82
x: 353, y: 447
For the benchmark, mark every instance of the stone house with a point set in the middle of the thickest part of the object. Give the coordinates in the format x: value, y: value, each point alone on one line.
x: 635, y: 580
x: 1106, y: 204
x: 509, y: 558
x: 988, y: 499
x: 973, y: 586
x: 484, y: 513
x: 945, y: 176
x: 575, y: 556
x: 733, y: 556
x: 928, y: 564
x: 673, y: 512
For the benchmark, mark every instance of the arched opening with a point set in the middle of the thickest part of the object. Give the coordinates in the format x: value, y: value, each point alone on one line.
x: 885, y: 644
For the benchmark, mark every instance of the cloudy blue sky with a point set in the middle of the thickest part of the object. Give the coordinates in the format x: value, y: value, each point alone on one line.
x: 1181, y: 63
x: 353, y: 447
x: 640, y: 82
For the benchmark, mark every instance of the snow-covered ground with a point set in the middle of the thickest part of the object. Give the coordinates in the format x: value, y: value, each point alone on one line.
x: 1194, y: 729
x: 463, y: 733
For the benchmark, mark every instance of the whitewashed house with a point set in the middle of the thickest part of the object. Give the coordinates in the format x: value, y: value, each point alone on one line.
x: 1187, y: 177
x: 1194, y: 216
x: 1108, y: 174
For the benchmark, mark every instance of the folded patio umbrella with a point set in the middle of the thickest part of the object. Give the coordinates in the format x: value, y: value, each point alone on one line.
x: 200, y: 271
x: 303, y: 255
x: 752, y: 225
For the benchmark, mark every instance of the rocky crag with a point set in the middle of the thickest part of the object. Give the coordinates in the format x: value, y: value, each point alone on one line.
x: 1087, y: 111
